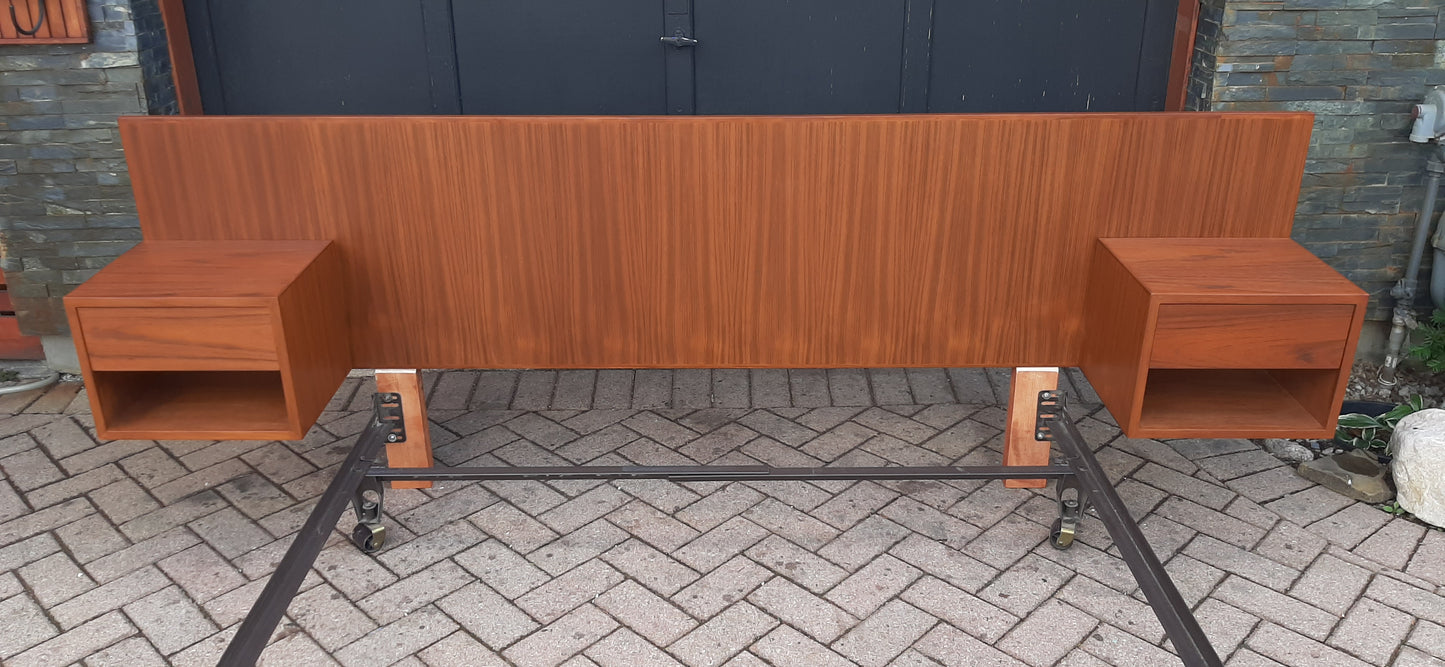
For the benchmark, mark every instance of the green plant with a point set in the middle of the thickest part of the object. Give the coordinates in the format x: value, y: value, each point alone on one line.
x: 1393, y: 507
x: 1431, y: 349
x: 1373, y: 433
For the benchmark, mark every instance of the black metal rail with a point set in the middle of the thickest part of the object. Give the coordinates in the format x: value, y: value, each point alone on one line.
x: 359, y: 482
x: 268, y: 609
x: 717, y: 473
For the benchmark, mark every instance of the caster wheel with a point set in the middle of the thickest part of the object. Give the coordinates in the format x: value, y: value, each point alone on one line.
x: 1059, y: 538
x: 369, y: 537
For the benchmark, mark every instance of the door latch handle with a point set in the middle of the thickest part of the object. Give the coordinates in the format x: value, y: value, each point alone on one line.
x: 679, y: 39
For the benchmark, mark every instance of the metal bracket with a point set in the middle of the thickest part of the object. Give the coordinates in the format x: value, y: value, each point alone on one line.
x: 1072, y: 501
x: 389, y: 413
x: 367, y: 501
x: 1050, y: 411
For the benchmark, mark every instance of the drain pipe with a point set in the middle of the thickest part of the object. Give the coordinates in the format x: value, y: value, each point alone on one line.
x: 1402, y: 318
x: 1436, y: 168
x: 1427, y: 129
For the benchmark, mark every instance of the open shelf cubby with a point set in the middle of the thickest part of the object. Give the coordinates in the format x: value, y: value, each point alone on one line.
x: 1217, y: 403
x: 192, y: 405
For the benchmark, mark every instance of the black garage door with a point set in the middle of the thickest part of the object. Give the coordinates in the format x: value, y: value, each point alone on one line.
x: 719, y: 56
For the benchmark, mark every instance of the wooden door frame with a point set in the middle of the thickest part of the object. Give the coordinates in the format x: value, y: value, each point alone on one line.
x: 183, y: 62
x: 1186, y: 28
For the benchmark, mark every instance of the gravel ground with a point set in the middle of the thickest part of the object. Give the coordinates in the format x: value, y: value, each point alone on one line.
x: 1410, y: 381
x: 14, y: 373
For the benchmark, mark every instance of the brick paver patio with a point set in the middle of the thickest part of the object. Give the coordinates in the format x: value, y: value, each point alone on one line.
x: 142, y: 553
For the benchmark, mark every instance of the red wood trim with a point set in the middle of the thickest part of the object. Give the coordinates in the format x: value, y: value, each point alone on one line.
x: 1186, y: 25
x: 65, y: 22
x: 183, y: 64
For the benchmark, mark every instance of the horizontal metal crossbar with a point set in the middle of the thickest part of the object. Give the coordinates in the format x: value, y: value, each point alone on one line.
x: 716, y: 473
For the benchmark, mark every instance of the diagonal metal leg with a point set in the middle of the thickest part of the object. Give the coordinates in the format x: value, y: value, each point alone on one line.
x: 1173, y: 612
x: 251, y: 639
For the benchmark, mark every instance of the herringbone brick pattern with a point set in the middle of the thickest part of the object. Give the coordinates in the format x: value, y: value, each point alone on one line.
x: 140, y: 553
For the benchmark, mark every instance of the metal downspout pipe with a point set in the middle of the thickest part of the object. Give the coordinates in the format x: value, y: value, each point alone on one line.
x: 1437, y: 272
x: 1402, y: 319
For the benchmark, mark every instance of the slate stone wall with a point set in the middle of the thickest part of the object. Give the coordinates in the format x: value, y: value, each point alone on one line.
x: 66, y: 207
x: 1360, y: 66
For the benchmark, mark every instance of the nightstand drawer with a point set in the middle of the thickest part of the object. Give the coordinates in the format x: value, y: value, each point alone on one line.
x: 1251, y: 336
x: 178, y: 338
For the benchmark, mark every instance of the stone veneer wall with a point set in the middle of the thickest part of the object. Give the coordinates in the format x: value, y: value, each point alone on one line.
x: 66, y: 207
x: 1359, y: 65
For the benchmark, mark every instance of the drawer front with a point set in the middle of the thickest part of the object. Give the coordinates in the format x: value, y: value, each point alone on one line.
x: 161, y: 339
x: 1251, y: 336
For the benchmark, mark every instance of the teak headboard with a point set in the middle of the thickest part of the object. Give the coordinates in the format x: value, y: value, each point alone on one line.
x: 576, y: 242
x: 1151, y: 250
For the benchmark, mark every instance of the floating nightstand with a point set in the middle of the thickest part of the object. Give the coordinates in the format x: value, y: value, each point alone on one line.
x: 216, y: 340
x: 1219, y: 337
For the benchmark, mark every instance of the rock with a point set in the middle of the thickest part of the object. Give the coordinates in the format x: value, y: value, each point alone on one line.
x: 1353, y: 474
x: 1419, y: 465
x: 1289, y: 450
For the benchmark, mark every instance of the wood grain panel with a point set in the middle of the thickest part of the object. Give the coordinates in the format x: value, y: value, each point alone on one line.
x: 1251, y: 336
x: 1275, y: 270
x: 313, y: 337
x: 198, y: 274
x: 574, y: 242
x: 1119, y: 320
x: 1316, y: 391
x: 77, y: 19
x: 237, y: 339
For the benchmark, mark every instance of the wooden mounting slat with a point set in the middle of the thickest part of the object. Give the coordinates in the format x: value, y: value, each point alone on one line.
x: 1020, y: 447
x: 416, y: 451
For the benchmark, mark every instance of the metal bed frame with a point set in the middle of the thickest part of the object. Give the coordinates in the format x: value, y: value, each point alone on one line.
x: 1081, y: 483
